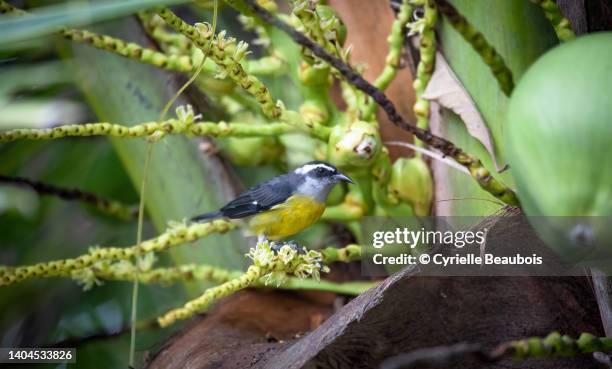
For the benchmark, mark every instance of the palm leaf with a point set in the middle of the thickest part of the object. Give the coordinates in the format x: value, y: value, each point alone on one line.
x: 49, y: 19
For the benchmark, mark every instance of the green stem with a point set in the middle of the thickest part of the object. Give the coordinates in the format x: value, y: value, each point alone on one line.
x: 354, y: 288
x: 130, y: 50
x: 489, y: 55
x: 396, y: 39
x: 227, y: 55
x: 209, y: 273
x: 169, y: 42
x: 134, y: 314
x: 562, y: 26
x: 296, y: 120
x: 269, y: 265
x: 174, y: 236
x: 180, y: 63
x: 171, y: 126
x: 270, y: 65
x: 555, y: 345
x: 211, y: 295
x: 427, y: 49
x: 346, y: 254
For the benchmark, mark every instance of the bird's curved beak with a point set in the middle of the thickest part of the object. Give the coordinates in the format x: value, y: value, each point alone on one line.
x: 342, y: 178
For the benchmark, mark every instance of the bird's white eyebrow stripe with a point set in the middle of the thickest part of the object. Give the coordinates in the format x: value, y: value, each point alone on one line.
x: 307, y: 168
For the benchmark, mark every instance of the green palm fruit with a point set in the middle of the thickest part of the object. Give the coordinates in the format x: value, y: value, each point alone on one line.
x: 314, y: 111
x: 254, y: 151
x: 336, y: 196
x: 354, y: 145
x: 316, y: 82
x: 314, y: 75
x: 411, y: 182
x: 385, y: 205
x: 559, y: 141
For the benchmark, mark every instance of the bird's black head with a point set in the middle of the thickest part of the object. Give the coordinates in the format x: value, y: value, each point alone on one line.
x: 322, y: 171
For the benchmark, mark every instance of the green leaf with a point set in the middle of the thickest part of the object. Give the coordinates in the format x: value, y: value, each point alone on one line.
x: 49, y: 19
x: 520, y: 33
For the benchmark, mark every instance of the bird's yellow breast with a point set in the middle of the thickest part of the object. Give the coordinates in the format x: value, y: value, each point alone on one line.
x: 288, y: 218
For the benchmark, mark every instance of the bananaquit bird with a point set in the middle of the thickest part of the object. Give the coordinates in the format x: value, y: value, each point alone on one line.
x: 283, y: 205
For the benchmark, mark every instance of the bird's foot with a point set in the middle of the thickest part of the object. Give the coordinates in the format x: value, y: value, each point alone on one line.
x: 276, y: 247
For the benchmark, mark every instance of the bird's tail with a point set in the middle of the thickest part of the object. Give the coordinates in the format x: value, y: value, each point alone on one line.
x: 206, y: 216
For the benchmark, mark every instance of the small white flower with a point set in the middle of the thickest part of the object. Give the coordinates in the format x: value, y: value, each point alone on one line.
x: 287, y: 254
x: 205, y: 29
x: 261, y: 254
x: 242, y: 49
x: 85, y: 277
x: 146, y: 261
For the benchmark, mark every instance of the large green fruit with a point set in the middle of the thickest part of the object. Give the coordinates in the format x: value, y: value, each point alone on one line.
x: 559, y: 139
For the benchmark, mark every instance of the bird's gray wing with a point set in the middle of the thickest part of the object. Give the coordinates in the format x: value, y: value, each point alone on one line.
x: 261, y: 197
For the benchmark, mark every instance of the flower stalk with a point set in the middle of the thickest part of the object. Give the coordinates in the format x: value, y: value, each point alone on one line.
x: 556, y: 344
x: 396, y: 39
x: 176, y: 234
x: 182, y: 61
x: 168, y: 41
x: 227, y: 54
x: 271, y: 265
x: 487, y: 52
x: 562, y: 25
x: 170, y: 126
x: 427, y: 49
x: 130, y: 50
x: 396, y: 42
x: 124, y: 271
x: 346, y: 254
x: 211, y: 295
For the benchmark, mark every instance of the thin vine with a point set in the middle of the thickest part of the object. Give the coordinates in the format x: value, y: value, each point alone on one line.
x: 176, y: 234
